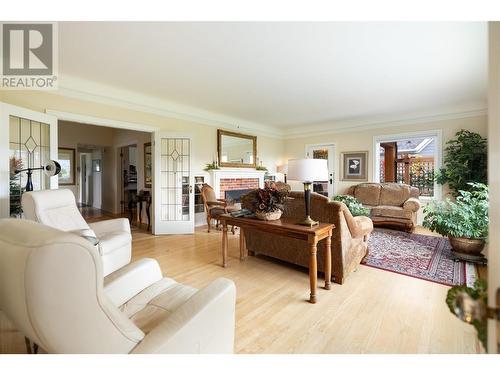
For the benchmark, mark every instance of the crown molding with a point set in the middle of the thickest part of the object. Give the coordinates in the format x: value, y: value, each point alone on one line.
x: 77, y: 88
x: 360, y: 124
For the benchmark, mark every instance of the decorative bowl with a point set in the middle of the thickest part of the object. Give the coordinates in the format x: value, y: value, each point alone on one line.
x: 271, y: 215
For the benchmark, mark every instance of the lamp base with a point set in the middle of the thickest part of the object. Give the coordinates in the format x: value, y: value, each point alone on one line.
x: 308, y: 222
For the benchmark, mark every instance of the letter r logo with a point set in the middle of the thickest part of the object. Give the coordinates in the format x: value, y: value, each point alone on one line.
x: 27, y: 49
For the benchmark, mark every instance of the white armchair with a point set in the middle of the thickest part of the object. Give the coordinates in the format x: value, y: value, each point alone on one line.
x: 51, y: 288
x: 58, y: 209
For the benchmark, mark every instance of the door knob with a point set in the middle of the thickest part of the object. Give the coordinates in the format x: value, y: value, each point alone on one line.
x: 468, y: 309
x: 470, y: 305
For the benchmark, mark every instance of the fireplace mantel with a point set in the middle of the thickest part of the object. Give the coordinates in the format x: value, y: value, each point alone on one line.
x: 234, y: 173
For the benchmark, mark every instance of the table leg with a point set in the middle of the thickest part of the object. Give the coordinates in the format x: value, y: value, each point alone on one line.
x: 242, y: 244
x: 224, y: 244
x: 140, y: 213
x: 328, y: 262
x: 313, y: 271
x: 28, y: 345
x: 148, y: 206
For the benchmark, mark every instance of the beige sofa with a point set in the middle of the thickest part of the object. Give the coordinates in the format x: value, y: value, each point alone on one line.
x: 391, y: 204
x: 349, y: 239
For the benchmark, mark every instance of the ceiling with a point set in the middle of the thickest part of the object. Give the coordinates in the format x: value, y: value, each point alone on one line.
x: 285, y: 74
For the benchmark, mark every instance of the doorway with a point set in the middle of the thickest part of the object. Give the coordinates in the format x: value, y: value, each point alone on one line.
x: 327, y: 152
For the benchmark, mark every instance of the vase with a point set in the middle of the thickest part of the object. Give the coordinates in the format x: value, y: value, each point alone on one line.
x: 467, y: 248
x: 271, y: 215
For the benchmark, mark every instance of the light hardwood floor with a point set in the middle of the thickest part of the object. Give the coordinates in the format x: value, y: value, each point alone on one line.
x: 375, y: 311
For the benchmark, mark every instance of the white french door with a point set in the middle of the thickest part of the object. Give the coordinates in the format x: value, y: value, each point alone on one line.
x: 27, y: 139
x: 324, y: 151
x: 173, y: 196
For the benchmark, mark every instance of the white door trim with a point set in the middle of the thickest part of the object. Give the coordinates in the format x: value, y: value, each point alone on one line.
x: 7, y: 110
x: 100, y: 121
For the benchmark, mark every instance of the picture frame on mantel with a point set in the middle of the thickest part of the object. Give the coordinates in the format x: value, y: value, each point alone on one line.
x: 355, y: 166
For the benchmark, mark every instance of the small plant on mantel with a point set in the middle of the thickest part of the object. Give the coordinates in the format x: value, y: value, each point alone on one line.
x: 261, y: 168
x: 211, y: 166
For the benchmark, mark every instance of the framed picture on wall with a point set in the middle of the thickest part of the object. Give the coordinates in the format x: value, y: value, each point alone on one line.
x: 355, y: 166
x: 66, y: 158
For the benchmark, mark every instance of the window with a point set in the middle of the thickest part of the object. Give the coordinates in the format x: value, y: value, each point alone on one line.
x: 409, y: 160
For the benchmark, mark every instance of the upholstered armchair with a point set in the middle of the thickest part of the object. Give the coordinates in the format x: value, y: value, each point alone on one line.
x: 214, y: 206
x: 53, y: 290
x: 58, y: 209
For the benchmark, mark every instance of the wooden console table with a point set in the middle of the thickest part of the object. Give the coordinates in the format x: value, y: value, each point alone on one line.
x: 286, y: 227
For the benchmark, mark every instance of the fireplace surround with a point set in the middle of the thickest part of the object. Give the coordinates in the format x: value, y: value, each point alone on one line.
x: 235, y: 179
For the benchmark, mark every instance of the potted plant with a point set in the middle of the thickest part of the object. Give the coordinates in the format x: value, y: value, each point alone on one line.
x: 267, y: 203
x: 464, y: 221
x: 354, y: 206
x: 465, y: 160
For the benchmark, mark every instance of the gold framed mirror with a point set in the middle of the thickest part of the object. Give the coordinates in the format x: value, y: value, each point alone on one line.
x: 236, y: 149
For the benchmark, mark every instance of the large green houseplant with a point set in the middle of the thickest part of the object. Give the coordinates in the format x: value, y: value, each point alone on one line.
x: 465, y: 160
x: 464, y: 221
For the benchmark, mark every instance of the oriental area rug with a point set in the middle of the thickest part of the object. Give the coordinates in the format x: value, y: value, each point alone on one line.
x: 417, y: 255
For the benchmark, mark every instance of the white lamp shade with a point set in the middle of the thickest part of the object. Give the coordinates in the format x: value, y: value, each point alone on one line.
x: 307, y: 170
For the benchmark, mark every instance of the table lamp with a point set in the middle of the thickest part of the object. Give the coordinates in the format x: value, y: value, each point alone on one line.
x: 307, y: 171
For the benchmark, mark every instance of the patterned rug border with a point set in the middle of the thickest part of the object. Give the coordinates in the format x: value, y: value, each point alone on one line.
x: 418, y: 277
x: 468, y: 269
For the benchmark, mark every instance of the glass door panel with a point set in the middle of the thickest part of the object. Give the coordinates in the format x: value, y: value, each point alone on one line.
x: 175, y: 206
x: 28, y: 139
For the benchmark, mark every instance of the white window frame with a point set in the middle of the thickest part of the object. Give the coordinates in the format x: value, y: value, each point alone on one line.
x: 438, y: 154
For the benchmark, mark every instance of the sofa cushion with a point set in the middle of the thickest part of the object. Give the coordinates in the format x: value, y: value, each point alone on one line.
x: 368, y: 194
x: 391, y: 211
x: 392, y: 194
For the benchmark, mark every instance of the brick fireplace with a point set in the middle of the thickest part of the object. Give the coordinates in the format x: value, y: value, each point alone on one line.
x: 237, y: 184
x: 235, y: 179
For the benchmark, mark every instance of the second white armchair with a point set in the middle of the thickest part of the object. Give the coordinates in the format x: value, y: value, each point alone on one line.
x: 58, y: 209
